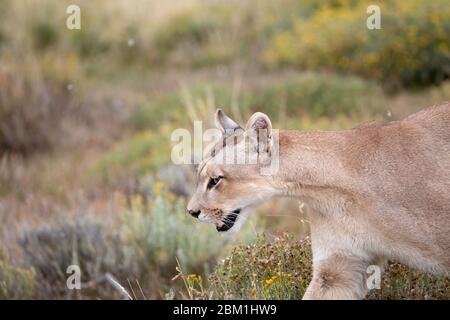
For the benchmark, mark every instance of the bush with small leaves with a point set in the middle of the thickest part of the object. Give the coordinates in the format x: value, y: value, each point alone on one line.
x: 16, y: 282
x: 280, y: 268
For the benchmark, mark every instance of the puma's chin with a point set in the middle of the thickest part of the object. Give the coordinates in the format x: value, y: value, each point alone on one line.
x: 229, y: 221
x: 233, y: 222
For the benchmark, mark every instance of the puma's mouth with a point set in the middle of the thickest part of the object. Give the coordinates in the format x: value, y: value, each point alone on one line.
x: 228, y: 221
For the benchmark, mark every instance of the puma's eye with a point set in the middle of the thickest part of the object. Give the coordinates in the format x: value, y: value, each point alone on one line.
x: 214, y: 181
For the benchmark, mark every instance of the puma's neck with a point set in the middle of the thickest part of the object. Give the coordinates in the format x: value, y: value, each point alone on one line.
x: 311, y: 166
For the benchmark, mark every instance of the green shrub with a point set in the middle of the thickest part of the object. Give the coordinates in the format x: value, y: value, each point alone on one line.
x: 154, y: 113
x: 44, y: 34
x: 281, y: 269
x: 308, y: 94
x: 312, y: 101
x: 87, y: 242
x: 156, y: 234
x: 318, y: 95
x: 141, y: 154
x: 88, y: 42
x: 411, y: 48
x: 275, y: 269
x: 193, y: 25
x: 173, y: 107
x: 186, y: 37
x: 143, y: 244
x: 15, y: 282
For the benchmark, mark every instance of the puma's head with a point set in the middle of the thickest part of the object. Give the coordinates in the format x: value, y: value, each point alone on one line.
x: 230, y: 180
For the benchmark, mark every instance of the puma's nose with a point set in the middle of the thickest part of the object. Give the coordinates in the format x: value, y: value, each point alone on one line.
x: 194, y: 213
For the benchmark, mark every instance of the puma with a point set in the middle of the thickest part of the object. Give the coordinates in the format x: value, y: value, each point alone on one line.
x: 378, y: 191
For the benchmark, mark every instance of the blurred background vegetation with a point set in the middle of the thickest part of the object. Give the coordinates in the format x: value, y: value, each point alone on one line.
x: 86, y: 117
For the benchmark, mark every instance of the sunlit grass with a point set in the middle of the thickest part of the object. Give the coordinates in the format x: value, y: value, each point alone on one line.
x: 89, y: 113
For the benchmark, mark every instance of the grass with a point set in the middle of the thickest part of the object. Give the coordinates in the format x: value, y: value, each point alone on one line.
x: 15, y: 282
x: 281, y: 268
x: 23, y: 127
x: 319, y: 95
x: 184, y: 33
x: 143, y: 153
x: 308, y: 94
x: 313, y: 101
x: 275, y: 269
x: 415, y: 53
x: 82, y: 241
x: 140, y: 243
x: 89, y: 114
x: 161, y: 236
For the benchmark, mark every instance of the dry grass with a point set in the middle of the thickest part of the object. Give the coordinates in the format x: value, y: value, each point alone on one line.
x: 32, y: 111
x: 85, y: 122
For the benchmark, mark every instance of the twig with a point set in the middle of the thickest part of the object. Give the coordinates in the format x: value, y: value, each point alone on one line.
x: 132, y: 290
x: 107, y: 277
x: 140, y: 288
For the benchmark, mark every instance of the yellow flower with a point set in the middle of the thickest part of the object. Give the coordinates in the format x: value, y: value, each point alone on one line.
x: 158, y: 188
x: 194, y: 277
x: 270, y: 281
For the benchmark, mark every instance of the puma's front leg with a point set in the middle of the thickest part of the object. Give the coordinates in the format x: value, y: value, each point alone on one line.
x: 338, y: 277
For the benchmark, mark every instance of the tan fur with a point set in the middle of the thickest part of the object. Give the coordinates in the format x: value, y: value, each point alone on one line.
x: 379, y: 191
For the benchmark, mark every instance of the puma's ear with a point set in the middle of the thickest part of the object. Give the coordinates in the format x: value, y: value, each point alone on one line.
x: 259, y: 129
x: 225, y: 123
x: 259, y: 121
